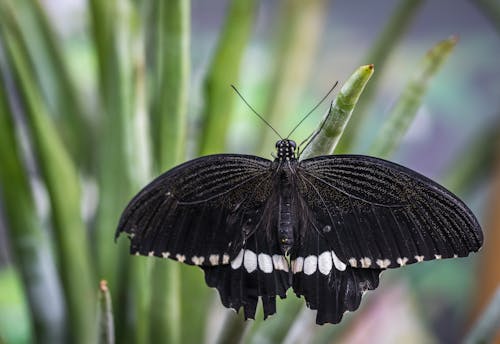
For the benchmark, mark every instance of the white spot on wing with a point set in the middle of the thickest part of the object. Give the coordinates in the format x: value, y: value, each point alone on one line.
x: 383, y: 263
x: 365, y: 262
x: 280, y: 262
x: 325, y: 263
x: 297, y: 264
x: 438, y: 256
x: 236, y: 262
x: 419, y: 258
x: 265, y: 263
x: 214, y: 259
x: 250, y: 261
x: 225, y: 259
x: 353, y: 262
x: 455, y: 255
x: 310, y: 265
x: 197, y: 260
x: 180, y: 257
x: 165, y: 254
x: 151, y: 253
x: 339, y: 265
x: 402, y: 261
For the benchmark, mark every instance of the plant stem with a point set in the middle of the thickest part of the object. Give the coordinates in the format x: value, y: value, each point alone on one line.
x: 63, y: 186
x: 223, y: 72
x: 406, y: 107
x: 387, y: 41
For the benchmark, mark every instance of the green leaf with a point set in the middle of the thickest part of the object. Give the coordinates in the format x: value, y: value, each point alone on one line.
x: 30, y: 245
x: 386, y: 42
x: 405, y: 109
x: 332, y: 127
x: 63, y: 186
x: 223, y: 72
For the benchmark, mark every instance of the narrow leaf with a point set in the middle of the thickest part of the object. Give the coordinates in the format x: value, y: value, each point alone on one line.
x: 31, y: 248
x: 300, y: 26
x: 223, y: 72
x: 172, y: 54
x: 331, y: 128
x: 405, y: 109
x: 62, y: 183
x: 105, y: 315
x: 387, y: 41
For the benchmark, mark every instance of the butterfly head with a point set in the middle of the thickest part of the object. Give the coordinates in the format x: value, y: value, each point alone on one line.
x: 286, y: 149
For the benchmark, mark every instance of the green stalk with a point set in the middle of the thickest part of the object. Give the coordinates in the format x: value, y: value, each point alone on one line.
x: 53, y: 76
x: 223, y: 72
x: 387, y: 41
x: 62, y: 183
x: 115, y: 158
x: 406, y: 107
x: 31, y: 249
x: 332, y: 127
x: 300, y: 28
x: 171, y: 110
x: 105, y: 316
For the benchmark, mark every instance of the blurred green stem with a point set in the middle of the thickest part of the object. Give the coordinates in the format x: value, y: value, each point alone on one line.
x: 406, y: 107
x: 172, y: 54
x: 223, y: 72
x: 300, y: 27
x: 31, y: 249
x: 63, y: 186
x: 378, y: 55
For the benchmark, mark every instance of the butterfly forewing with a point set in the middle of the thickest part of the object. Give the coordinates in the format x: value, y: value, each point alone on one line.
x: 377, y: 214
x: 195, y: 212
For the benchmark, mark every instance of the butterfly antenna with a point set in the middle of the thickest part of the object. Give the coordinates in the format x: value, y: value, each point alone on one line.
x: 313, y: 109
x: 255, y: 112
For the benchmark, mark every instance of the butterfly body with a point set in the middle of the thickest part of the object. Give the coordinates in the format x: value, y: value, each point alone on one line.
x: 325, y: 226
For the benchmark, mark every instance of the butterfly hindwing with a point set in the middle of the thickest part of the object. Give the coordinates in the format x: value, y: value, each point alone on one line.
x: 195, y: 212
x: 377, y: 214
x: 328, y: 285
x: 258, y: 270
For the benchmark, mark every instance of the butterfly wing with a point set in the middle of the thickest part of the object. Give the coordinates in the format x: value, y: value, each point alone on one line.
x: 378, y: 214
x: 194, y: 211
x: 328, y: 285
x: 215, y: 212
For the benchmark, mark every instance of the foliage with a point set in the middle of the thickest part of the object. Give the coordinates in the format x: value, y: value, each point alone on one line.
x: 135, y: 124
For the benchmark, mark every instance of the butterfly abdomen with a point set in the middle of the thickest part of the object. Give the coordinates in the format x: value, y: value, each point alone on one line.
x: 286, y: 222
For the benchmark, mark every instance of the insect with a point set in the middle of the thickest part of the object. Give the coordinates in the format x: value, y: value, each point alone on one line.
x: 325, y: 226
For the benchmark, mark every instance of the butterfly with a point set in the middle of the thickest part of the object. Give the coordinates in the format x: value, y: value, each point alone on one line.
x: 325, y: 226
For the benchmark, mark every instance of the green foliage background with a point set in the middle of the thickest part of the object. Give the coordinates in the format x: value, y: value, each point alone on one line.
x: 87, y: 119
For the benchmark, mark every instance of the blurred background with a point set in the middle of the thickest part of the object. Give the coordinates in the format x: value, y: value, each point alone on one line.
x: 97, y: 98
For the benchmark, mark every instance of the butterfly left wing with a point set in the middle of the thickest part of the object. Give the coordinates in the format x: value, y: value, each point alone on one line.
x: 214, y: 212
x: 198, y: 212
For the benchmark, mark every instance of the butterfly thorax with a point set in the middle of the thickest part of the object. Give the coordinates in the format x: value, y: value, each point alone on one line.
x: 285, y: 150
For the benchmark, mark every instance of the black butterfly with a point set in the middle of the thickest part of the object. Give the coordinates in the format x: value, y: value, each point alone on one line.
x: 325, y: 226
